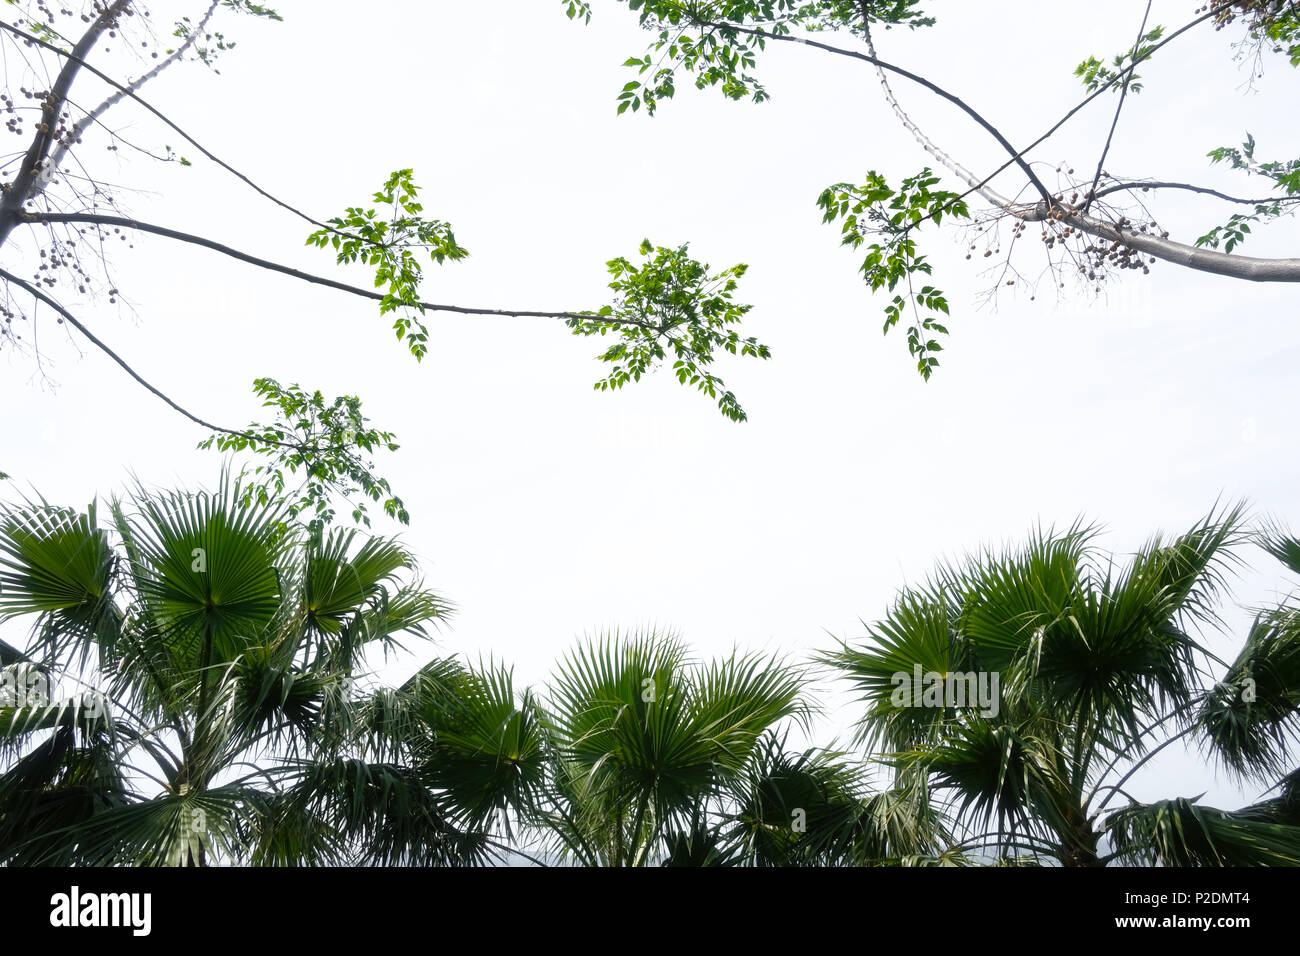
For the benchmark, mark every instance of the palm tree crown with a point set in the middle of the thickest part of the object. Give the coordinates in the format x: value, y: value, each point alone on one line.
x: 1099, y: 668
x: 222, y: 644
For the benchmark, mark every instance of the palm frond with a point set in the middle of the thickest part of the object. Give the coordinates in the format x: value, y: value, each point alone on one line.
x: 1181, y: 832
x: 57, y: 564
x: 207, y: 568
x: 1251, y: 716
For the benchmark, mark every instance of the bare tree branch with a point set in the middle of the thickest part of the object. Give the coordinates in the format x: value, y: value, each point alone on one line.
x: 17, y: 191
x: 125, y: 223
x: 1179, y: 253
x: 1159, y: 184
x: 906, y: 74
x: 1203, y: 260
x: 1123, y: 93
x: 73, y: 321
x: 1073, y: 111
x: 929, y: 145
x: 74, y: 58
x: 93, y: 116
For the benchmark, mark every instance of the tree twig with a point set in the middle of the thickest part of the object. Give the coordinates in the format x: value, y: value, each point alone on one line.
x: 1123, y: 92
x: 1160, y: 184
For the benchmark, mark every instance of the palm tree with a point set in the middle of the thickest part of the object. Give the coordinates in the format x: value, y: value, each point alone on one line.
x: 644, y: 740
x: 219, y: 647
x: 637, y: 754
x: 206, y: 652
x: 1099, y: 670
x: 843, y: 819
x: 441, y: 766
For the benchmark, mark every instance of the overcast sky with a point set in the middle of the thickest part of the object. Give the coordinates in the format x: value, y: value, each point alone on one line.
x: 547, y: 511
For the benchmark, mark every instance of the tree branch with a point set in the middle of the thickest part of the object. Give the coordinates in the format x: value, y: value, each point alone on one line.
x: 1073, y: 111
x: 122, y: 222
x: 73, y: 58
x: 93, y: 116
x: 927, y: 144
x: 72, y: 320
x: 1158, y: 184
x: 1123, y: 92
x: 906, y: 74
x: 1138, y: 766
x: 1204, y: 260
x: 1179, y: 253
x: 17, y: 191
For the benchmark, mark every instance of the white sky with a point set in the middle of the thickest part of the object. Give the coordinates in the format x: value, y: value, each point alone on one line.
x: 546, y: 510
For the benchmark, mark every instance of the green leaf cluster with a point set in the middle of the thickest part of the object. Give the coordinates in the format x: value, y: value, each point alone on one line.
x: 1285, y: 175
x: 885, y: 219
x: 391, y: 244
x: 1095, y: 75
x: 698, y: 38
x: 577, y: 10
x: 328, y: 441
x: 671, y: 306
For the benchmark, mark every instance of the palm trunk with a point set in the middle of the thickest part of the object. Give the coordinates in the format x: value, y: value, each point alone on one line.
x: 1079, y: 842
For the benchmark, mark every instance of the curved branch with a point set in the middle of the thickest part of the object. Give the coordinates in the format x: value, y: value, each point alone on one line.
x: 929, y: 145
x: 122, y: 222
x: 73, y: 58
x: 1203, y: 260
x: 93, y: 116
x: 510, y: 849
x: 1136, y: 767
x: 72, y: 320
x: 17, y: 191
x: 1134, y: 741
x: 1074, y: 110
x: 939, y: 91
x: 1158, y: 184
x: 1017, y: 156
